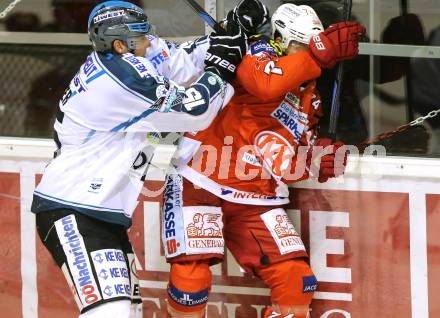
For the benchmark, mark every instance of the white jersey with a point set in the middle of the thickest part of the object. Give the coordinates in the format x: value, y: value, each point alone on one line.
x: 112, y: 107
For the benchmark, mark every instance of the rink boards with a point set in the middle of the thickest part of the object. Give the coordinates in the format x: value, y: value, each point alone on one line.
x: 372, y: 235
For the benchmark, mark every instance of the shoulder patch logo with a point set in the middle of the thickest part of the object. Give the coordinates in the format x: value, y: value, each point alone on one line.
x: 161, y: 91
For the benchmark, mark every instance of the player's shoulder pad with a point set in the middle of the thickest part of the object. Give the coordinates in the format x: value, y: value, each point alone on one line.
x: 135, y: 74
x: 261, y: 46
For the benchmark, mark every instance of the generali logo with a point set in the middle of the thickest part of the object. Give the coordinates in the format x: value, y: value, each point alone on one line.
x: 284, y: 228
x: 205, y: 225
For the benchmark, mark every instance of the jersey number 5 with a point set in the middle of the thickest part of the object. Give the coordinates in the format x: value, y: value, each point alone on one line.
x: 270, y: 68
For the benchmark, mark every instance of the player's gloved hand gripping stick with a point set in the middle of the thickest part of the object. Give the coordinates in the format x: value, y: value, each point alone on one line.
x: 227, y: 45
x: 204, y: 15
x: 338, y: 82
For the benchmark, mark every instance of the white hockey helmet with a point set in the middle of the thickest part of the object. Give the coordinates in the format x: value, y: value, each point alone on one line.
x: 295, y: 23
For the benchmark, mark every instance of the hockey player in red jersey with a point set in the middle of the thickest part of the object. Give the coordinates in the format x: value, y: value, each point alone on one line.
x: 231, y: 181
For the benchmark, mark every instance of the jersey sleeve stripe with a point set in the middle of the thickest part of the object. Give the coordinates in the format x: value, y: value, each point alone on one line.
x: 91, y: 79
x: 132, y: 121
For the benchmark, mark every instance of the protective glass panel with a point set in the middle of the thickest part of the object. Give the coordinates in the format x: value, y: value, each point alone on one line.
x: 169, y: 17
x: 380, y: 92
x: 32, y: 81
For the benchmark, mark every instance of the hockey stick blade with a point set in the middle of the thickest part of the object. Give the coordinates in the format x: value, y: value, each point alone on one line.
x: 204, y: 15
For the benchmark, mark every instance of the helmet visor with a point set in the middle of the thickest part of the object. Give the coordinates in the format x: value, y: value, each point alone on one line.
x: 141, y: 27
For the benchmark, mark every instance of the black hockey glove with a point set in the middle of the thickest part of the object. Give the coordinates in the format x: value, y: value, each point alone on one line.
x: 226, y: 51
x: 252, y: 16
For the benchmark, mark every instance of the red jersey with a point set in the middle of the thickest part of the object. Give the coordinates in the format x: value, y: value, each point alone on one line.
x: 248, y: 151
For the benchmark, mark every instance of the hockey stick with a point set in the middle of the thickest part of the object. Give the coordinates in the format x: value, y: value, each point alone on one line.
x: 337, y: 87
x: 403, y: 7
x: 408, y: 77
x: 204, y: 15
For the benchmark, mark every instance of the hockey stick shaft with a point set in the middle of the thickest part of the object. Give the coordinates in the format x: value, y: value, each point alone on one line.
x: 204, y: 15
x: 337, y: 87
x: 403, y: 7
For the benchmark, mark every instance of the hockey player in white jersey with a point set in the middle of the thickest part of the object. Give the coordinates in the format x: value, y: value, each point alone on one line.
x: 87, y: 195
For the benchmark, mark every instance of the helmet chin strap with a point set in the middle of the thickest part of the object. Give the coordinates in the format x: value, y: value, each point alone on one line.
x: 276, y: 46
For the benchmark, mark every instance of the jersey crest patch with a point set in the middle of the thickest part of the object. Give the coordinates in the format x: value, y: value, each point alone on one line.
x: 161, y: 91
x: 275, y: 150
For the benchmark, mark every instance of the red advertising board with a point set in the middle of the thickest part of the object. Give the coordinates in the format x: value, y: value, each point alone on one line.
x: 10, y: 275
x: 359, y: 243
x: 356, y: 248
x: 433, y: 226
